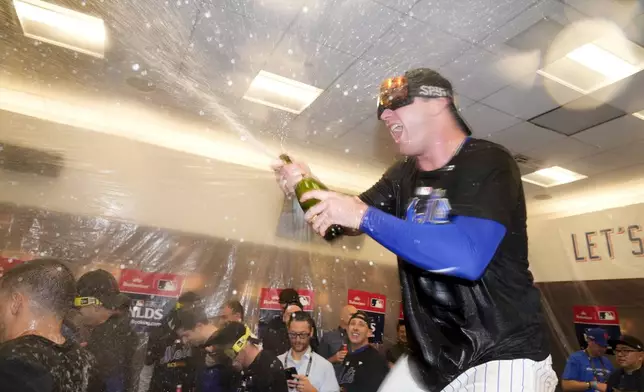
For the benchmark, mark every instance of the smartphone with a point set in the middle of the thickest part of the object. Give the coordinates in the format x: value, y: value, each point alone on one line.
x: 290, y: 373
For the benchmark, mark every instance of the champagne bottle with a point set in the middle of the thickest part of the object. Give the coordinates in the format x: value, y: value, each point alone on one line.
x: 308, y: 184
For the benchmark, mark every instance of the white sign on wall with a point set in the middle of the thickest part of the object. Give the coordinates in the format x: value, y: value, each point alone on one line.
x: 607, y: 244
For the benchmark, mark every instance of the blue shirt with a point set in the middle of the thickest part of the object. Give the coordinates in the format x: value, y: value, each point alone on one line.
x: 581, y: 367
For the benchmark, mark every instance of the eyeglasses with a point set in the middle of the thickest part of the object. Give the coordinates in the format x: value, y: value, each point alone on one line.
x: 624, y: 351
x: 300, y: 335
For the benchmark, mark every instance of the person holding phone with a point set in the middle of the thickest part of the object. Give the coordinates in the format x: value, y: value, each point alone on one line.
x: 306, y: 371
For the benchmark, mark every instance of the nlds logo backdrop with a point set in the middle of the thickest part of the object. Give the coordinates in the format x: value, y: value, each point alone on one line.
x: 153, y: 296
x: 374, y: 305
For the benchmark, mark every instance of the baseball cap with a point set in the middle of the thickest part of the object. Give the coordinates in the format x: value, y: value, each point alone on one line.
x: 400, y: 91
x: 597, y: 335
x: 362, y: 316
x: 230, y: 339
x: 99, y: 285
x: 627, y: 340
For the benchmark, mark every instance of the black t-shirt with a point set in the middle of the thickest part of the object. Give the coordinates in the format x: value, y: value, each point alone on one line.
x: 620, y: 381
x: 35, y: 364
x: 173, y: 361
x: 113, y: 344
x: 454, y: 324
x: 364, y: 370
x: 265, y: 374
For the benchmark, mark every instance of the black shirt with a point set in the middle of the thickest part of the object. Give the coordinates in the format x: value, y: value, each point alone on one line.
x: 620, y: 381
x: 173, y: 361
x: 454, y: 324
x: 265, y: 374
x: 364, y: 370
x: 35, y: 364
x: 113, y: 344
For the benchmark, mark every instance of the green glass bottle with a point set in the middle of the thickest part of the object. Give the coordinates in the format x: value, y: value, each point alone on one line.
x: 309, y: 184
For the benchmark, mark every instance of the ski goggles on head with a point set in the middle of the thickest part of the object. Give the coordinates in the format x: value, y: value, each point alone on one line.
x: 395, y: 93
x: 79, y: 302
x: 234, y: 350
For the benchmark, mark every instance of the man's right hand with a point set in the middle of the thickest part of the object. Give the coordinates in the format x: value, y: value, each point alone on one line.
x: 338, y: 357
x: 289, y: 174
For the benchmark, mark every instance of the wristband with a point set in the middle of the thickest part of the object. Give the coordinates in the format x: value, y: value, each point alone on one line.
x: 593, y: 385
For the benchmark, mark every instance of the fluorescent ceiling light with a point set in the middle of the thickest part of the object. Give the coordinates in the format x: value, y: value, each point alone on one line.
x: 281, y: 93
x: 552, y: 176
x: 602, y: 61
x: 639, y: 115
x: 62, y: 27
x: 595, y: 65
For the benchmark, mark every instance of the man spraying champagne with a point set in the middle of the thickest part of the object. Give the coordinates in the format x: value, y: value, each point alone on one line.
x: 454, y: 213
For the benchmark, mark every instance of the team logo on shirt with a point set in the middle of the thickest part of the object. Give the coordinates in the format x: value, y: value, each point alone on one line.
x: 429, y: 206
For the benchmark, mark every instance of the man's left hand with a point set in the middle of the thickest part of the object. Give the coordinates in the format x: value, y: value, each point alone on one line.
x: 304, y: 385
x: 334, y: 209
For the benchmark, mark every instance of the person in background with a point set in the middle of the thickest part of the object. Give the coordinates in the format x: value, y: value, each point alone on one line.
x: 314, y: 373
x: 333, y: 345
x: 629, y: 352
x: 232, y: 311
x: 261, y: 370
x: 112, y: 340
x: 364, y: 367
x: 588, y: 369
x: 169, y: 360
x: 34, y: 354
x: 397, y: 350
x: 274, y: 333
x: 275, y: 337
x: 214, y: 371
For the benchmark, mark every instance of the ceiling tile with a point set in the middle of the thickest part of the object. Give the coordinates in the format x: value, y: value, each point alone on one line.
x: 347, y: 25
x: 462, y: 101
x: 471, y: 20
x: 228, y: 50
x: 619, y: 11
x: 607, y: 161
x: 551, y: 11
x: 625, y: 94
x: 561, y: 152
x: 525, y: 137
x: 400, y: 5
x: 618, y: 132
x: 578, y: 115
x: 307, y: 61
x: 479, y: 73
x: 399, y: 48
x: 321, y: 130
x: 483, y: 120
x: 635, y: 31
x: 531, y: 96
x: 275, y: 12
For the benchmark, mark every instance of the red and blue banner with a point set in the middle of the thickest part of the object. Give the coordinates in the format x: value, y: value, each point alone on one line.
x: 374, y: 305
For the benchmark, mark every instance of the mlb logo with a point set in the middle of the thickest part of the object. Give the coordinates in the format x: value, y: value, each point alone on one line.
x: 167, y: 285
x: 607, y: 315
x: 140, y: 302
x: 305, y: 300
x: 377, y: 303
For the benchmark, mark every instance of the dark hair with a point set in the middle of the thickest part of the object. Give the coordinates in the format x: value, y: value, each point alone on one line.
x: 236, y: 307
x: 302, y: 316
x: 189, y: 297
x: 289, y: 295
x: 48, y: 282
x: 188, y: 318
x: 401, y: 323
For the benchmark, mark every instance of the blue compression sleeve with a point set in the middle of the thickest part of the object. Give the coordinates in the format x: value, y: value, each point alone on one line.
x: 462, y: 248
